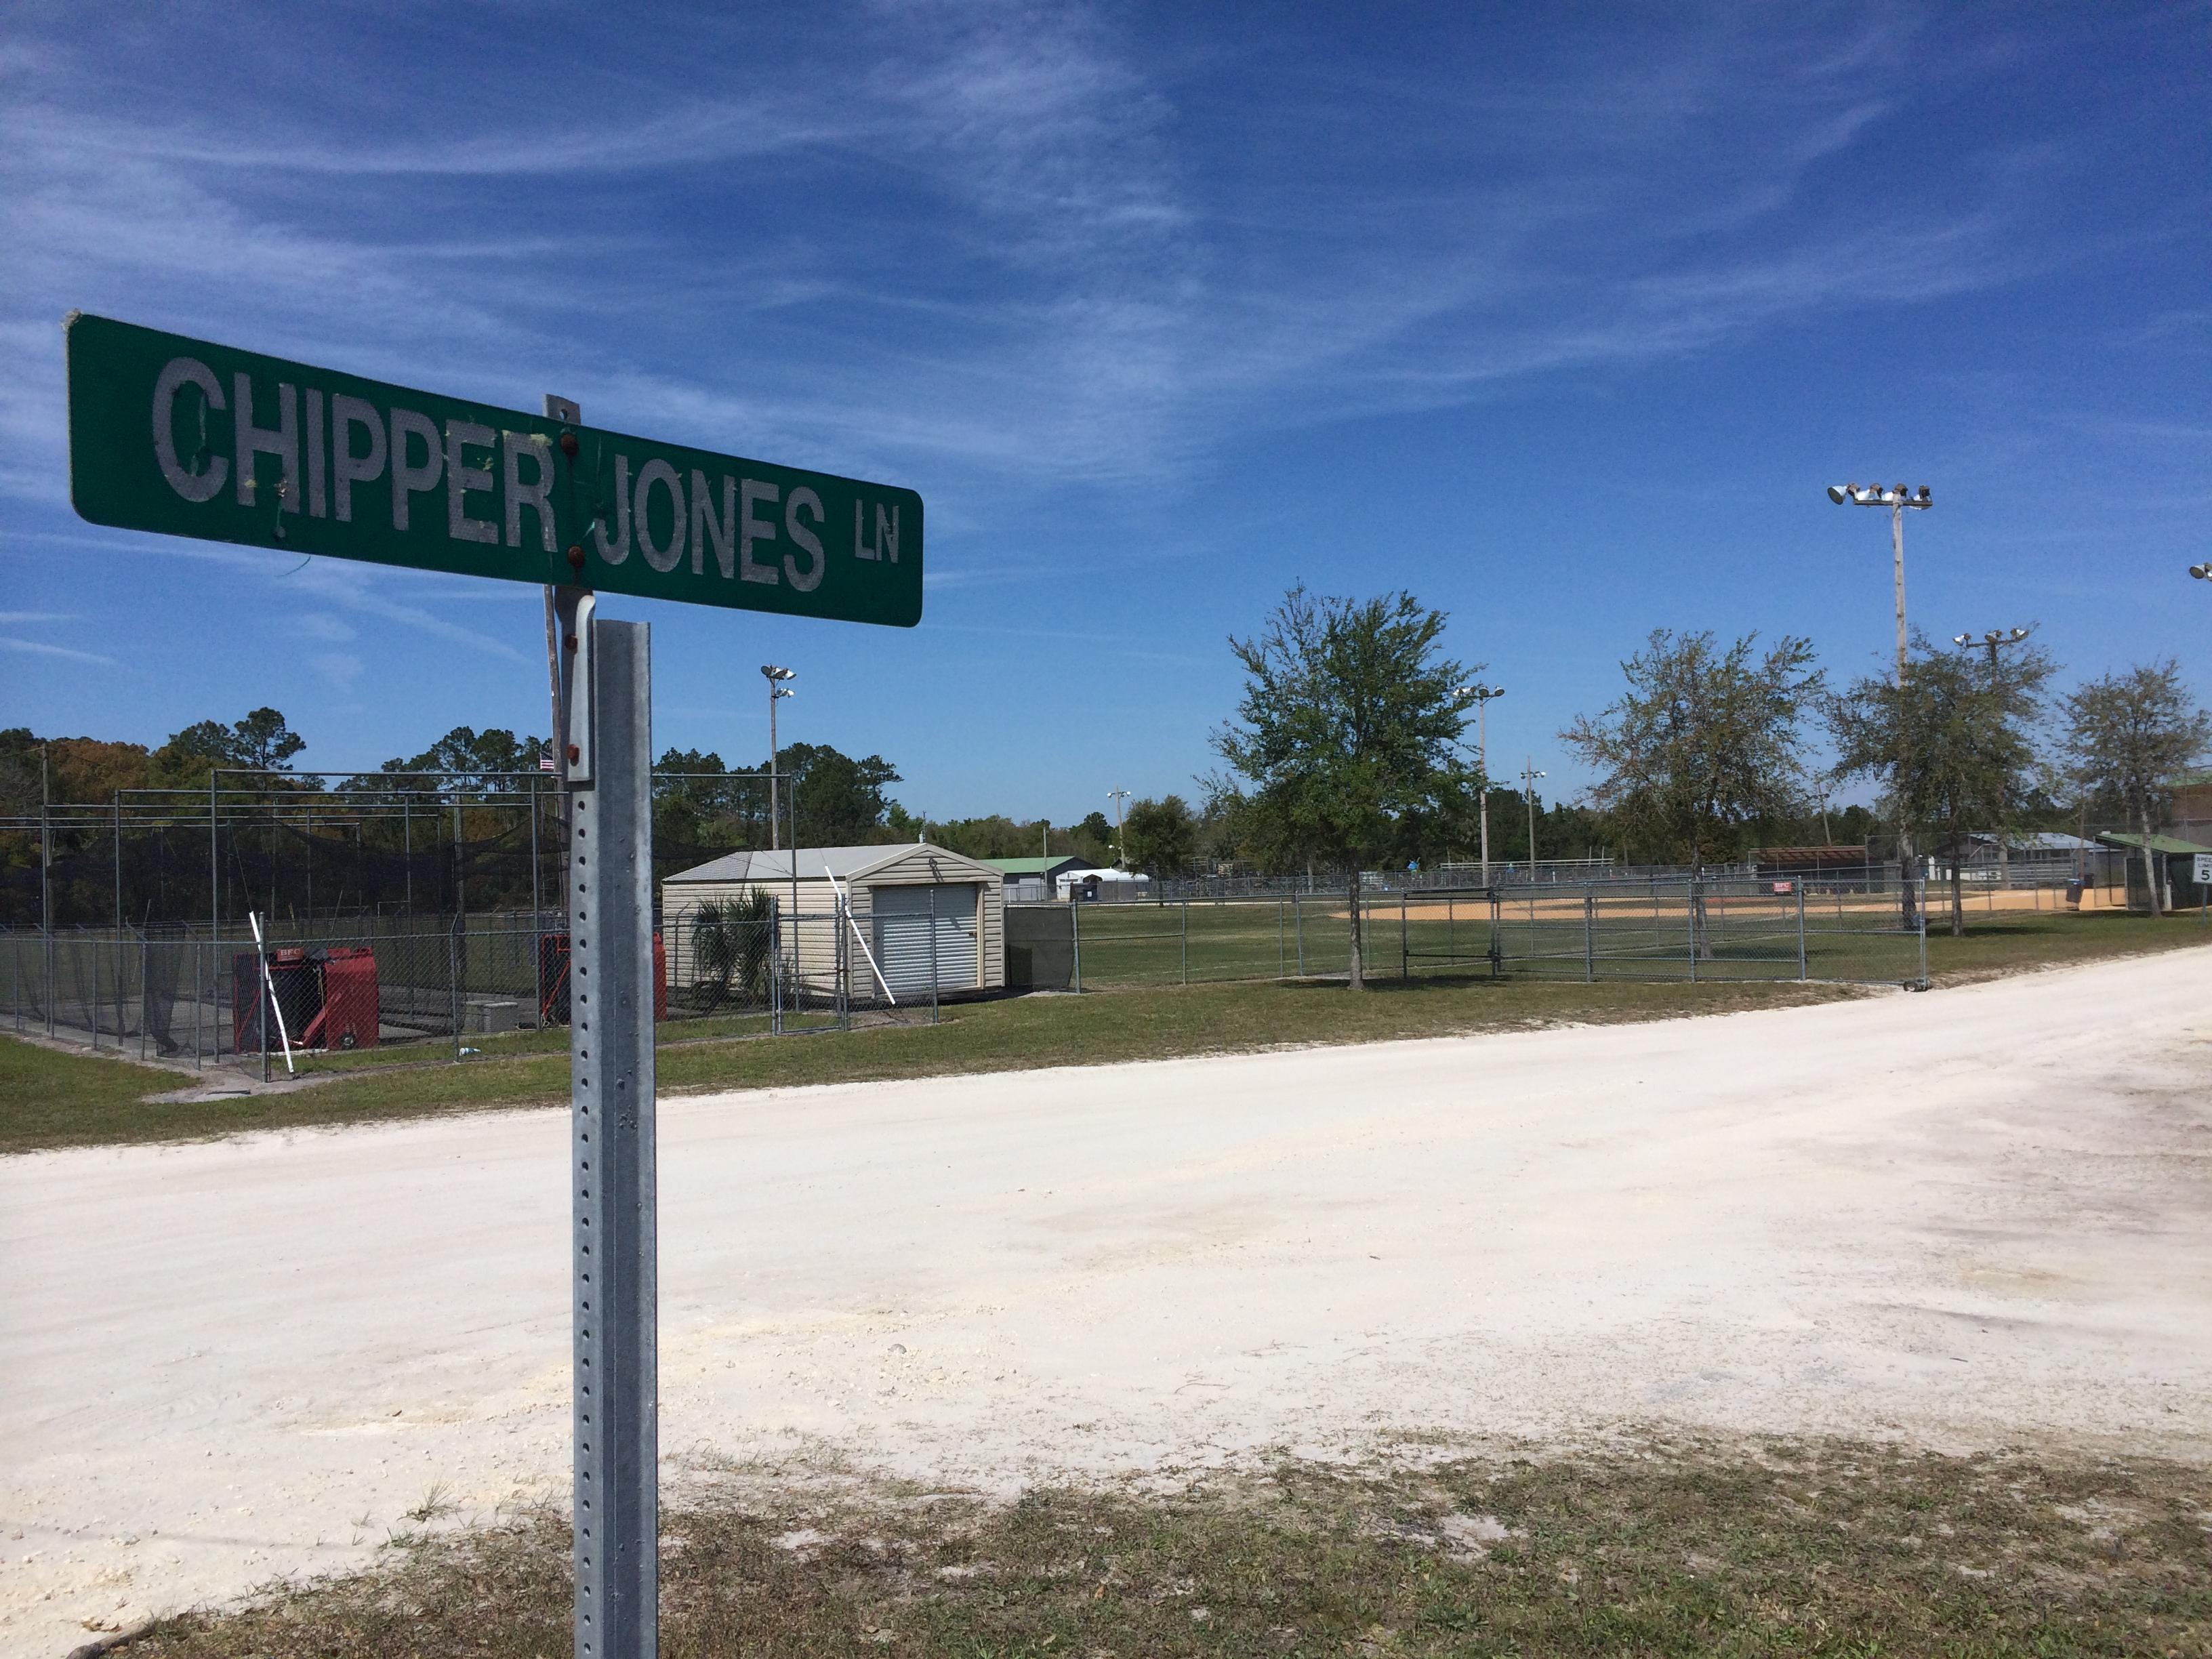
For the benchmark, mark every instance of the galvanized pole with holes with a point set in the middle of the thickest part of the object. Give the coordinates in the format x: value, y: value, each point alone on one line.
x: 1800, y: 886
x: 932, y: 893
x: 1589, y: 936
x: 1186, y: 941
x: 607, y: 742
x: 1075, y: 935
x: 46, y: 883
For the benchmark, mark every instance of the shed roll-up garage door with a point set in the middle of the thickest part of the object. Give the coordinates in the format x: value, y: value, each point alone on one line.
x: 903, y: 928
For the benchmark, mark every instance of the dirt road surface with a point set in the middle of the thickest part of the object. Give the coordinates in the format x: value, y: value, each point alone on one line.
x: 1970, y: 1217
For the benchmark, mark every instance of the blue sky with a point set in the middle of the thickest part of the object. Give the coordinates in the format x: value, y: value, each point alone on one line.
x: 1560, y: 317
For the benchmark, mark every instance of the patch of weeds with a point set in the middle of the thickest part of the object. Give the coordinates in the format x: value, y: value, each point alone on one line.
x: 1806, y: 1547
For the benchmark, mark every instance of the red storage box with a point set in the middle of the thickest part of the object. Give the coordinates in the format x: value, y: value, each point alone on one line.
x: 350, y: 1005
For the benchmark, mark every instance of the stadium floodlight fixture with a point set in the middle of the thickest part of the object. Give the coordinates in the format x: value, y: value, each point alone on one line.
x: 1529, y: 773
x: 1993, y: 641
x: 2202, y: 572
x: 1896, y: 498
x: 777, y: 689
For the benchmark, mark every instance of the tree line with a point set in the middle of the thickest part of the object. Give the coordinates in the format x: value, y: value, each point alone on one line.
x: 1347, y: 747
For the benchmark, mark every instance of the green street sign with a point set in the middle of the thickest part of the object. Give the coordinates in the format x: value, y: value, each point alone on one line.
x: 184, y: 438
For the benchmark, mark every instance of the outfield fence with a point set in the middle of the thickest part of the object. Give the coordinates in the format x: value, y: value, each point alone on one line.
x: 1857, y: 929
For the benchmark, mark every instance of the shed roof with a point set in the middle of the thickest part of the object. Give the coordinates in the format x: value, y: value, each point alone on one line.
x: 843, y: 862
x: 1038, y: 867
x: 2155, y: 843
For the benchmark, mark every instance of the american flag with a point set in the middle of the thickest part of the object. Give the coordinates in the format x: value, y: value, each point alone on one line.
x: 545, y: 761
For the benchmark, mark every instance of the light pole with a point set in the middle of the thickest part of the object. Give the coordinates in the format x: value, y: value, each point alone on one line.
x: 1482, y: 694
x: 1121, y: 852
x: 1896, y: 499
x: 776, y: 690
x: 1528, y: 776
x: 1993, y: 641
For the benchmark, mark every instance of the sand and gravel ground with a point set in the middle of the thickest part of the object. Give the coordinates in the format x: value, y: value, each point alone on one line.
x: 1969, y: 1218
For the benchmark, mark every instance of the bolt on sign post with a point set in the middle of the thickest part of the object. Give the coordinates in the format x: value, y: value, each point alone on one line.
x: 184, y: 438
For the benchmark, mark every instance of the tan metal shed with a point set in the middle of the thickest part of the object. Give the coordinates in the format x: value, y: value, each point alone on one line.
x: 909, y: 903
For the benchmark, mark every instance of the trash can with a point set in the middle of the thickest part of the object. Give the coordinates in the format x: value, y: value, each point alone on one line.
x: 2073, y: 890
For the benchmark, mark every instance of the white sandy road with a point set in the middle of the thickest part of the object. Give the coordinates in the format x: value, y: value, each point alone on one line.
x: 1972, y: 1217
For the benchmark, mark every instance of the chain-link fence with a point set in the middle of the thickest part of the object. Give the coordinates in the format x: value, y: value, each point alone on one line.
x: 1857, y: 928
x: 396, y: 989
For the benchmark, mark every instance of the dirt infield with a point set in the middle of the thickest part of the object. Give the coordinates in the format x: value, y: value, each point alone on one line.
x: 1969, y: 1218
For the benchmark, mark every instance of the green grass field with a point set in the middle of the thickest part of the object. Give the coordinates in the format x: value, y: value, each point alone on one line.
x: 51, y: 1099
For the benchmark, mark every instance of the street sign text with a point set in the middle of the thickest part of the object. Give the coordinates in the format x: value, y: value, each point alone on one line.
x: 184, y: 438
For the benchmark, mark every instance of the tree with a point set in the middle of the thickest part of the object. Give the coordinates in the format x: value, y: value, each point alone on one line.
x: 468, y: 759
x: 1161, y: 836
x: 262, y: 742
x: 1346, y: 739
x: 2126, y: 735
x: 1952, y: 746
x: 840, y: 801
x: 1703, y: 742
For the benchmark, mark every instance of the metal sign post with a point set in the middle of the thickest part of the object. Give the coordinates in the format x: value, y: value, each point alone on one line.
x: 607, y: 742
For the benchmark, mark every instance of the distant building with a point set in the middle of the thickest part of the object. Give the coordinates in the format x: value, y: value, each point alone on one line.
x: 1033, y: 881
x: 2191, y: 818
x: 1807, y: 860
x: 915, y: 907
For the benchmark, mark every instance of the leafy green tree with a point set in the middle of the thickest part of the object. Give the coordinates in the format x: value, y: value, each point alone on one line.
x: 1092, y: 838
x: 1344, y: 747
x: 465, y: 761
x: 2127, y: 735
x: 1953, y: 747
x: 1161, y: 836
x: 840, y: 800
x: 261, y: 742
x: 1704, y: 741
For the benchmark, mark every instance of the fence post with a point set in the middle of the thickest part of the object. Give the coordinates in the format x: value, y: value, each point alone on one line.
x: 1589, y: 936
x: 1075, y: 934
x: 1693, y: 930
x: 774, y: 967
x: 1920, y: 908
x: 1298, y: 924
x: 1799, y: 885
x: 1402, y: 963
x: 453, y: 986
x: 1186, y: 941
x: 145, y: 992
x: 1281, y: 955
x: 932, y: 954
x: 263, y: 992
x: 92, y: 1000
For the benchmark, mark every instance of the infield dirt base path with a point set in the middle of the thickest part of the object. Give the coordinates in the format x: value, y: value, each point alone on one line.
x: 1969, y: 1218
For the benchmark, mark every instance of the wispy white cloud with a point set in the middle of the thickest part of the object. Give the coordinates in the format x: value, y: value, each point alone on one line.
x: 321, y: 625
x: 37, y: 647
x: 21, y: 618
x: 1052, y: 280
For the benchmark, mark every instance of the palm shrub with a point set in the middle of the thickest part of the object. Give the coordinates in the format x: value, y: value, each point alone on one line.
x: 730, y: 941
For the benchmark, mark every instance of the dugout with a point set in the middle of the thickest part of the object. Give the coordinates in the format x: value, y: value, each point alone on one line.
x: 2173, y: 859
x: 909, y: 903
